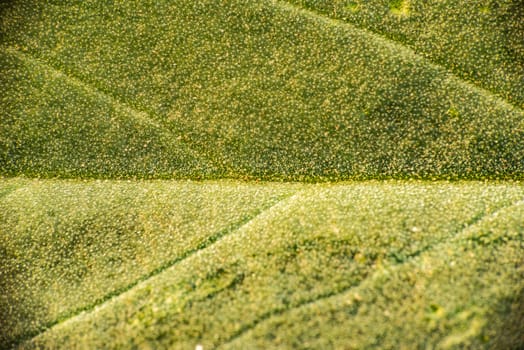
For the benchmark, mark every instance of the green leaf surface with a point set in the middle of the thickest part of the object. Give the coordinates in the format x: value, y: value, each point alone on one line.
x: 480, y: 41
x: 243, y: 89
x: 174, y: 264
x: 243, y: 174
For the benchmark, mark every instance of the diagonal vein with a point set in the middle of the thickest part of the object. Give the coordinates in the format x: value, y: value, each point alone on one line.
x: 398, y: 45
x: 143, y: 116
x: 336, y: 293
x: 211, y: 240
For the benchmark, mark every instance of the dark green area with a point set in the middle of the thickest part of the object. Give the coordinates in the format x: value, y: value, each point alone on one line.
x: 243, y: 89
x: 481, y: 41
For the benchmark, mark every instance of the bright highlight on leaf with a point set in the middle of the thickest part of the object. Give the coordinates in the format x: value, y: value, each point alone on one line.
x: 399, y: 7
x: 242, y: 265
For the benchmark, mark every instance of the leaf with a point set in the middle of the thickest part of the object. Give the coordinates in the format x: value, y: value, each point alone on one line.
x: 208, y: 98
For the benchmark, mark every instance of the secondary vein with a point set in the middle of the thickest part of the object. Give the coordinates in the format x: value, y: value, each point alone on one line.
x: 399, y: 46
x: 336, y: 293
x: 211, y: 240
x: 143, y: 116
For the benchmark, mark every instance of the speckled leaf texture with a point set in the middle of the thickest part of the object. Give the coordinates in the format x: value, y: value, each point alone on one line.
x: 262, y: 174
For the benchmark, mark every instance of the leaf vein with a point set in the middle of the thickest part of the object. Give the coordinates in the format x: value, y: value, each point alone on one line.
x: 234, y: 227
x: 336, y: 293
x: 399, y: 45
x: 143, y: 116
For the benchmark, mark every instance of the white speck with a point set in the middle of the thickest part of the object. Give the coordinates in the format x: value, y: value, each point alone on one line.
x: 199, y: 347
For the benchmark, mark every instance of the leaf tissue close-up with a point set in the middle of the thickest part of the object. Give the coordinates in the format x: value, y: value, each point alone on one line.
x: 262, y: 174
